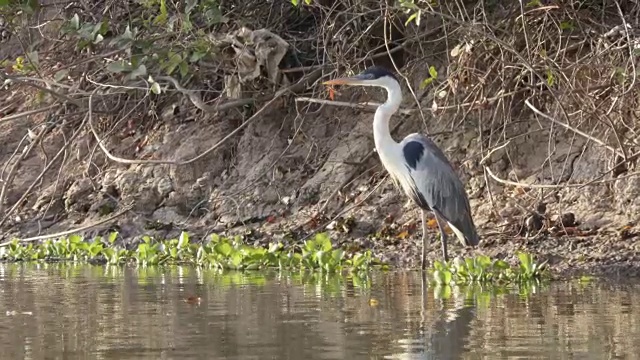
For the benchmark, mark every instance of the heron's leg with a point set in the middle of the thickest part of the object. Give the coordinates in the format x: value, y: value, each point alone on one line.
x: 443, y: 236
x: 423, y: 258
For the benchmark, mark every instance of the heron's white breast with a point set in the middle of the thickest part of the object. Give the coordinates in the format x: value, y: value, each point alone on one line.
x: 393, y: 161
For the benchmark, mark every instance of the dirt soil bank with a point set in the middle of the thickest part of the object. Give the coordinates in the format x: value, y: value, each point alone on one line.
x: 533, y: 125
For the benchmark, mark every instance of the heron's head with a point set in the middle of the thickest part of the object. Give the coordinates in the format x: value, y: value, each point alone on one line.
x: 373, y: 76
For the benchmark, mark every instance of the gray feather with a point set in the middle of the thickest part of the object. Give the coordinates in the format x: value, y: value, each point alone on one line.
x: 437, y: 186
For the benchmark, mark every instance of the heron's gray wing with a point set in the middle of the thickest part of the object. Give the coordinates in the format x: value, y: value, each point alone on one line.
x: 436, y: 185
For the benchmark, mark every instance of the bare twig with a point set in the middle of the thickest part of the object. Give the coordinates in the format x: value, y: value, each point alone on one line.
x: 566, y: 126
x: 369, y: 105
x: 486, y: 157
x: 30, y: 112
x: 6, y: 183
x: 355, y: 205
x: 559, y: 186
x: 53, y: 93
x: 46, y: 168
x: 72, y: 231
x: 197, y: 101
x: 310, y: 78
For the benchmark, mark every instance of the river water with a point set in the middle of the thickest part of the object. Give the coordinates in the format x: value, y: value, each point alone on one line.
x: 66, y: 311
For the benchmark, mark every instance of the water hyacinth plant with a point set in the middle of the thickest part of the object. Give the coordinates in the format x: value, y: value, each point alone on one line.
x: 481, y: 269
x: 232, y: 253
x: 218, y: 252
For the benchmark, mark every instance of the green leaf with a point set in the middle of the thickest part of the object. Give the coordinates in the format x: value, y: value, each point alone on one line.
x: 425, y: 83
x: 322, y: 240
x: 186, y: 24
x: 119, y: 66
x: 295, y: 2
x: 197, y: 55
x: 484, y: 261
x: 447, y: 277
x: 4, y: 3
x: 184, y: 240
x: 236, y: 259
x: 32, y: 5
x: 409, y: 5
x: 127, y: 33
x: 61, y: 75
x: 184, y: 69
x: 164, y: 14
x: 550, y: 78
x: 525, y: 261
x: 411, y: 18
x: 74, y: 239
x: 112, y: 237
x: 442, y: 292
x: 501, y: 265
x: 433, y: 72
x: 223, y: 248
x: 337, y: 255
x: 566, y: 25
x: 438, y: 265
x: 75, y: 22
x: 139, y: 71
x: 173, y: 61
x: 190, y: 5
x: 102, y: 27
x: 155, y: 88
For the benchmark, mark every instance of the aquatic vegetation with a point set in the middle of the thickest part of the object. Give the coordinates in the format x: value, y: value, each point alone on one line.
x: 232, y: 253
x: 482, y: 269
x: 218, y: 252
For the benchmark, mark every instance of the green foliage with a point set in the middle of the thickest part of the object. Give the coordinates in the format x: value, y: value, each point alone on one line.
x: 533, y: 3
x: 22, y: 64
x: 551, y: 79
x: 410, y: 7
x: 219, y: 253
x: 567, y: 25
x: 161, y: 39
x: 25, y: 6
x: 297, y: 2
x: 482, y: 269
x: 433, y: 75
x: 483, y: 293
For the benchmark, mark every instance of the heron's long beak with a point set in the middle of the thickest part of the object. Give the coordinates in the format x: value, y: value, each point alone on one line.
x: 353, y: 80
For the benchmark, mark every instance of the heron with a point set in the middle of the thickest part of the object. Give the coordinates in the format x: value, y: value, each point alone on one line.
x: 417, y: 166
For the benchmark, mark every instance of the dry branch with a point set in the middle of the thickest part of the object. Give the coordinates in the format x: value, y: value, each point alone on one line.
x: 369, y: 105
x: 46, y: 168
x: 312, y: 77
x: 197, y: 101
x: 566, y: 126
x: 72, y: 231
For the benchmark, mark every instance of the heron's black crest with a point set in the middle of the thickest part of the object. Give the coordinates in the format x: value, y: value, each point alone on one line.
x: 413, y: 151
x: 376, y: 72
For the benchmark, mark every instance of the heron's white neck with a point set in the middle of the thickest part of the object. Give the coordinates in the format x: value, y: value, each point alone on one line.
x: 381, y: 133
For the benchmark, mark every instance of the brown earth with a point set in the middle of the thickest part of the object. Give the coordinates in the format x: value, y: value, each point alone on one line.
x: 297, y: 159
